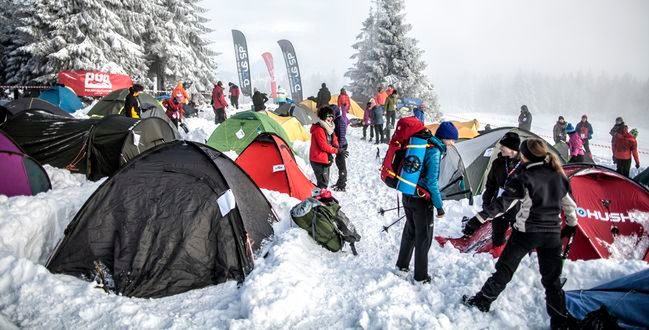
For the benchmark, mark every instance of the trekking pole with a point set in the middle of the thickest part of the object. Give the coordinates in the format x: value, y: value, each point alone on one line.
x: 385, y: 228
x: 382, y: 211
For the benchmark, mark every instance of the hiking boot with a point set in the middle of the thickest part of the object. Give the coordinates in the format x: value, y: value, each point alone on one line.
x: 478, y: 301
x: 363, y: 138
x: 338, y: 188
x: 426, y: 280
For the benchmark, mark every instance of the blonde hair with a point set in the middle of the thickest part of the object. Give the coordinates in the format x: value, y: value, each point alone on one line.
x: 537, y: 148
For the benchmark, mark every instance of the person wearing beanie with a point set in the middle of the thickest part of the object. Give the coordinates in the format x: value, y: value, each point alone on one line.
x: 234, y: 95
x: 324, y: 96
x: 625, y: 146
x: 503, y: 168
x: 446, y: 131
x: 585, y: 131
x: 218, y: 103
x: 617, y: 127
x: 575, y: 145
x: 367, y: 119
x: 417, y: 233
x: 132, y: 101
x: 324, y: 145
x: 525, y: 119
x: 559, y: 130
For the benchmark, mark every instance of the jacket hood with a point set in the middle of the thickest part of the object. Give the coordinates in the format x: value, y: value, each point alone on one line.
x: 438, y: 143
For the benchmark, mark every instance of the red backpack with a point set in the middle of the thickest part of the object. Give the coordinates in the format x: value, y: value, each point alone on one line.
x: 393, y: 161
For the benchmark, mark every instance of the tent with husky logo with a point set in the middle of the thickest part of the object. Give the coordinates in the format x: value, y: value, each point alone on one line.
x: 238, y: 131
x: 96, y: 147
x: 270, y: 163
x: 180, y: 216
x: 610, y: 206
x: 20, y: 175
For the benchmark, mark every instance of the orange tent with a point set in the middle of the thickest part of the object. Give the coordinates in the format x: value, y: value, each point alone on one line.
x: 354, y: 109
x: 465, y: 129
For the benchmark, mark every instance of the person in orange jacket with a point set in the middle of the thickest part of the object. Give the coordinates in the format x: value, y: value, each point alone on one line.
x: 180, y: 94
x: 624, y: 146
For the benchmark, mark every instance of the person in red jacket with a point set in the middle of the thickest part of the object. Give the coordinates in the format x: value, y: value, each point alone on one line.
x: 234, y: 95
x: 625, y: 145
x: 324, y: 145
x: 218, y: 103
x: 343, y: 101
x: 174, y: 111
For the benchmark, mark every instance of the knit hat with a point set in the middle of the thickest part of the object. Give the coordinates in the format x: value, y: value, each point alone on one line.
x: 634, y: 132
x: 511, y: 140
x: 561, y: 118
x: 570, y: 129
x: 446, y: 131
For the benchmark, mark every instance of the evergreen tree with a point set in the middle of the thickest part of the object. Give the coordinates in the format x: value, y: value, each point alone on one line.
x: 386, y: 55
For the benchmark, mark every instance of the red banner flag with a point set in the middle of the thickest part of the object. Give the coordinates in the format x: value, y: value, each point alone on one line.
x: 268, y: 58
x: 94, y: 83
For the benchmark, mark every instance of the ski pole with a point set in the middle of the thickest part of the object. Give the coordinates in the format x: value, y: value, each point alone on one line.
x: 385, y: 228
x: 382, y: 211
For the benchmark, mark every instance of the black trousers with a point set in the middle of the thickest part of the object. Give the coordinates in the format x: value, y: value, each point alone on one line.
x: 341, y: 164
x: 378, y: 131
x: 391, y: 117
x: 219, y: 115
x: 175, y: 122
x: 234, y: 100
x: 371, y: 131
x: 417, y: 235
x: 321, y: 172
x: 587, y: 148
x: 577, y: 159
x: 548, y: 248
x: 623, y: 166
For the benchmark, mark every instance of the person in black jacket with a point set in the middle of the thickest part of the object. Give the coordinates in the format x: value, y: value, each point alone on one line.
x: 502, y: 170
x: 259, y: 100
x: 324, y: 96
x: 542, y: 191
x: 132, y: 101
x: 525, y: 119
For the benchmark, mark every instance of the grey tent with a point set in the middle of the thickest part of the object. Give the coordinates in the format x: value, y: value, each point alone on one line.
x: 178, y: 217
x: 451, y: 176
x: 304, y: 115
x: 159, y: 113
x: 476, y: 156
x: 113, y: 103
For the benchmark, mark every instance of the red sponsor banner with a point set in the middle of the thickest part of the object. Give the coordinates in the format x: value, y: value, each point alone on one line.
x: 94, y: 83
x: 268, y: 58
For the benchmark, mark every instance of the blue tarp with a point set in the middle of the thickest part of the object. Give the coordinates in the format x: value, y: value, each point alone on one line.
x: 62, y: 97
x: 409, y: 102
x: 626, y: 298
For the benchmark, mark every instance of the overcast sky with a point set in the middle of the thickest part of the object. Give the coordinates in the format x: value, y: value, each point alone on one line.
x: 458, y: 36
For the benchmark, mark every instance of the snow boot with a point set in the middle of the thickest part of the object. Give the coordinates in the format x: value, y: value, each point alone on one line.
x: 338, y: 188
x: 426, y: 280
x: 479, y: 301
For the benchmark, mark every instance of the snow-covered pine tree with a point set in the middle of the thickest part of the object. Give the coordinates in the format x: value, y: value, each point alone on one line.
x: 69, y: 34
x: 175, y: 45
x: 385, y: 51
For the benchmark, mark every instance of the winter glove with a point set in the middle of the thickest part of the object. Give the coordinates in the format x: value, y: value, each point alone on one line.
x: 471, y: 226
x: 342, y: 152
x: 440, y: 213
x: 568, y: 231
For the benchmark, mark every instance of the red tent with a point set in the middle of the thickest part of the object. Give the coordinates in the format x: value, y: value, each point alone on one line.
x: 608, y: 204
x: 270, y: 163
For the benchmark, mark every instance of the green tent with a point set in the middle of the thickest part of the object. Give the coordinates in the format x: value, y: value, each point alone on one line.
x: 113, y: 103
x: 238, y: 131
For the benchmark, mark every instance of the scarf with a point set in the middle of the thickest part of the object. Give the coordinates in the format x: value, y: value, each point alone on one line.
x: 329, y: 128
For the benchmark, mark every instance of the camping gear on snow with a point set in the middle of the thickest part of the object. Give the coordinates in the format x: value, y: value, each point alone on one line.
x: 466, y: 129
x: 294, y: 130
x: 303, y: 114
x: 113, y: 103
x: 270, y: 163
x: 20, y: 175
x: 609, y: 206
x: 413, y: 162
x: 409, y: 102
x: 180, y: 216
x: 563, y: 148
x: 63, y: 97
x: 152, y: 111
x: 326, y: 223
x: 643, y: 178
x: 355, y: 110
x: 625, y: 298
x: 96, y: 147
x: 451, y: 176
x: 238, y: 131
x: 17, y: 106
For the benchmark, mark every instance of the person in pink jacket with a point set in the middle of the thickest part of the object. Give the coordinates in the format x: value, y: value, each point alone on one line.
x: 576, y: 145
x: 367, y: 119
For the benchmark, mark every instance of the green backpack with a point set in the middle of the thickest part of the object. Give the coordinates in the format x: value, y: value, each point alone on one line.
x: 326, y: 223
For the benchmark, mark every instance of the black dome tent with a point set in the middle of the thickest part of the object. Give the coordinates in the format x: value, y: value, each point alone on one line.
x: 178, y: 217
x: 94, y: 147
x: 13, y: 108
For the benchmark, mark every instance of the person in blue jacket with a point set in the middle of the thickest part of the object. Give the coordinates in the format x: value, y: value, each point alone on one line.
x: 418, y: 231
x: 419, y: 114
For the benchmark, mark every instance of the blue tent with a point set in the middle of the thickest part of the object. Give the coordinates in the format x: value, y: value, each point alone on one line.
x: 62, y: 97
x: 626, y: 298
x: 409, y: 102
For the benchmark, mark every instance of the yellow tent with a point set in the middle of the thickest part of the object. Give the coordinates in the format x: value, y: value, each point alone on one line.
x: 354, y: 110
x: 292, y: 127
x: 465, y: 129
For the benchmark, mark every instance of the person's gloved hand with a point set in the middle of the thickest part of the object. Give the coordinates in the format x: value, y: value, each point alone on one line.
x: 343, y: 152
x: 471, y: 226
x: 440, y: 213
x: 568, y: 231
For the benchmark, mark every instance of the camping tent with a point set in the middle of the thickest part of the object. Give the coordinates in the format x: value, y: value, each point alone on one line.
x: 294, y: 130
x: 607, y: 203
x: 158, y: 113
x: 643, y: 178
x: 113, y: 103
x: 465, y: 129
x: 451, y: 176
x: 17, y: 106
x: 271, y: 165
x: 626, y: 298
x: 355, y: 110
x: 19, y: 173
x: 95, y: 147
x: 178, y: 217
x: 238, y: 131
x: 303, y: 114
x: 63, y: 97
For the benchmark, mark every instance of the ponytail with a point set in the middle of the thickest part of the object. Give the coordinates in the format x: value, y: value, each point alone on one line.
x: 554, y: 163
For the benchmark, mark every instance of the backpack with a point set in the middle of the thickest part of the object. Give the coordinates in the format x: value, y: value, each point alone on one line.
x: 326, y: 223
x: 398, y: 162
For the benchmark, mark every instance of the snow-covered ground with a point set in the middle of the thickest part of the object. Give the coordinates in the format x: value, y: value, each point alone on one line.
x: 299, y: 284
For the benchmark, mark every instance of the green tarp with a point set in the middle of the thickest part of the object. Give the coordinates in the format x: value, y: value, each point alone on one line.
x: 238, y: 131
x: 113, y: 103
